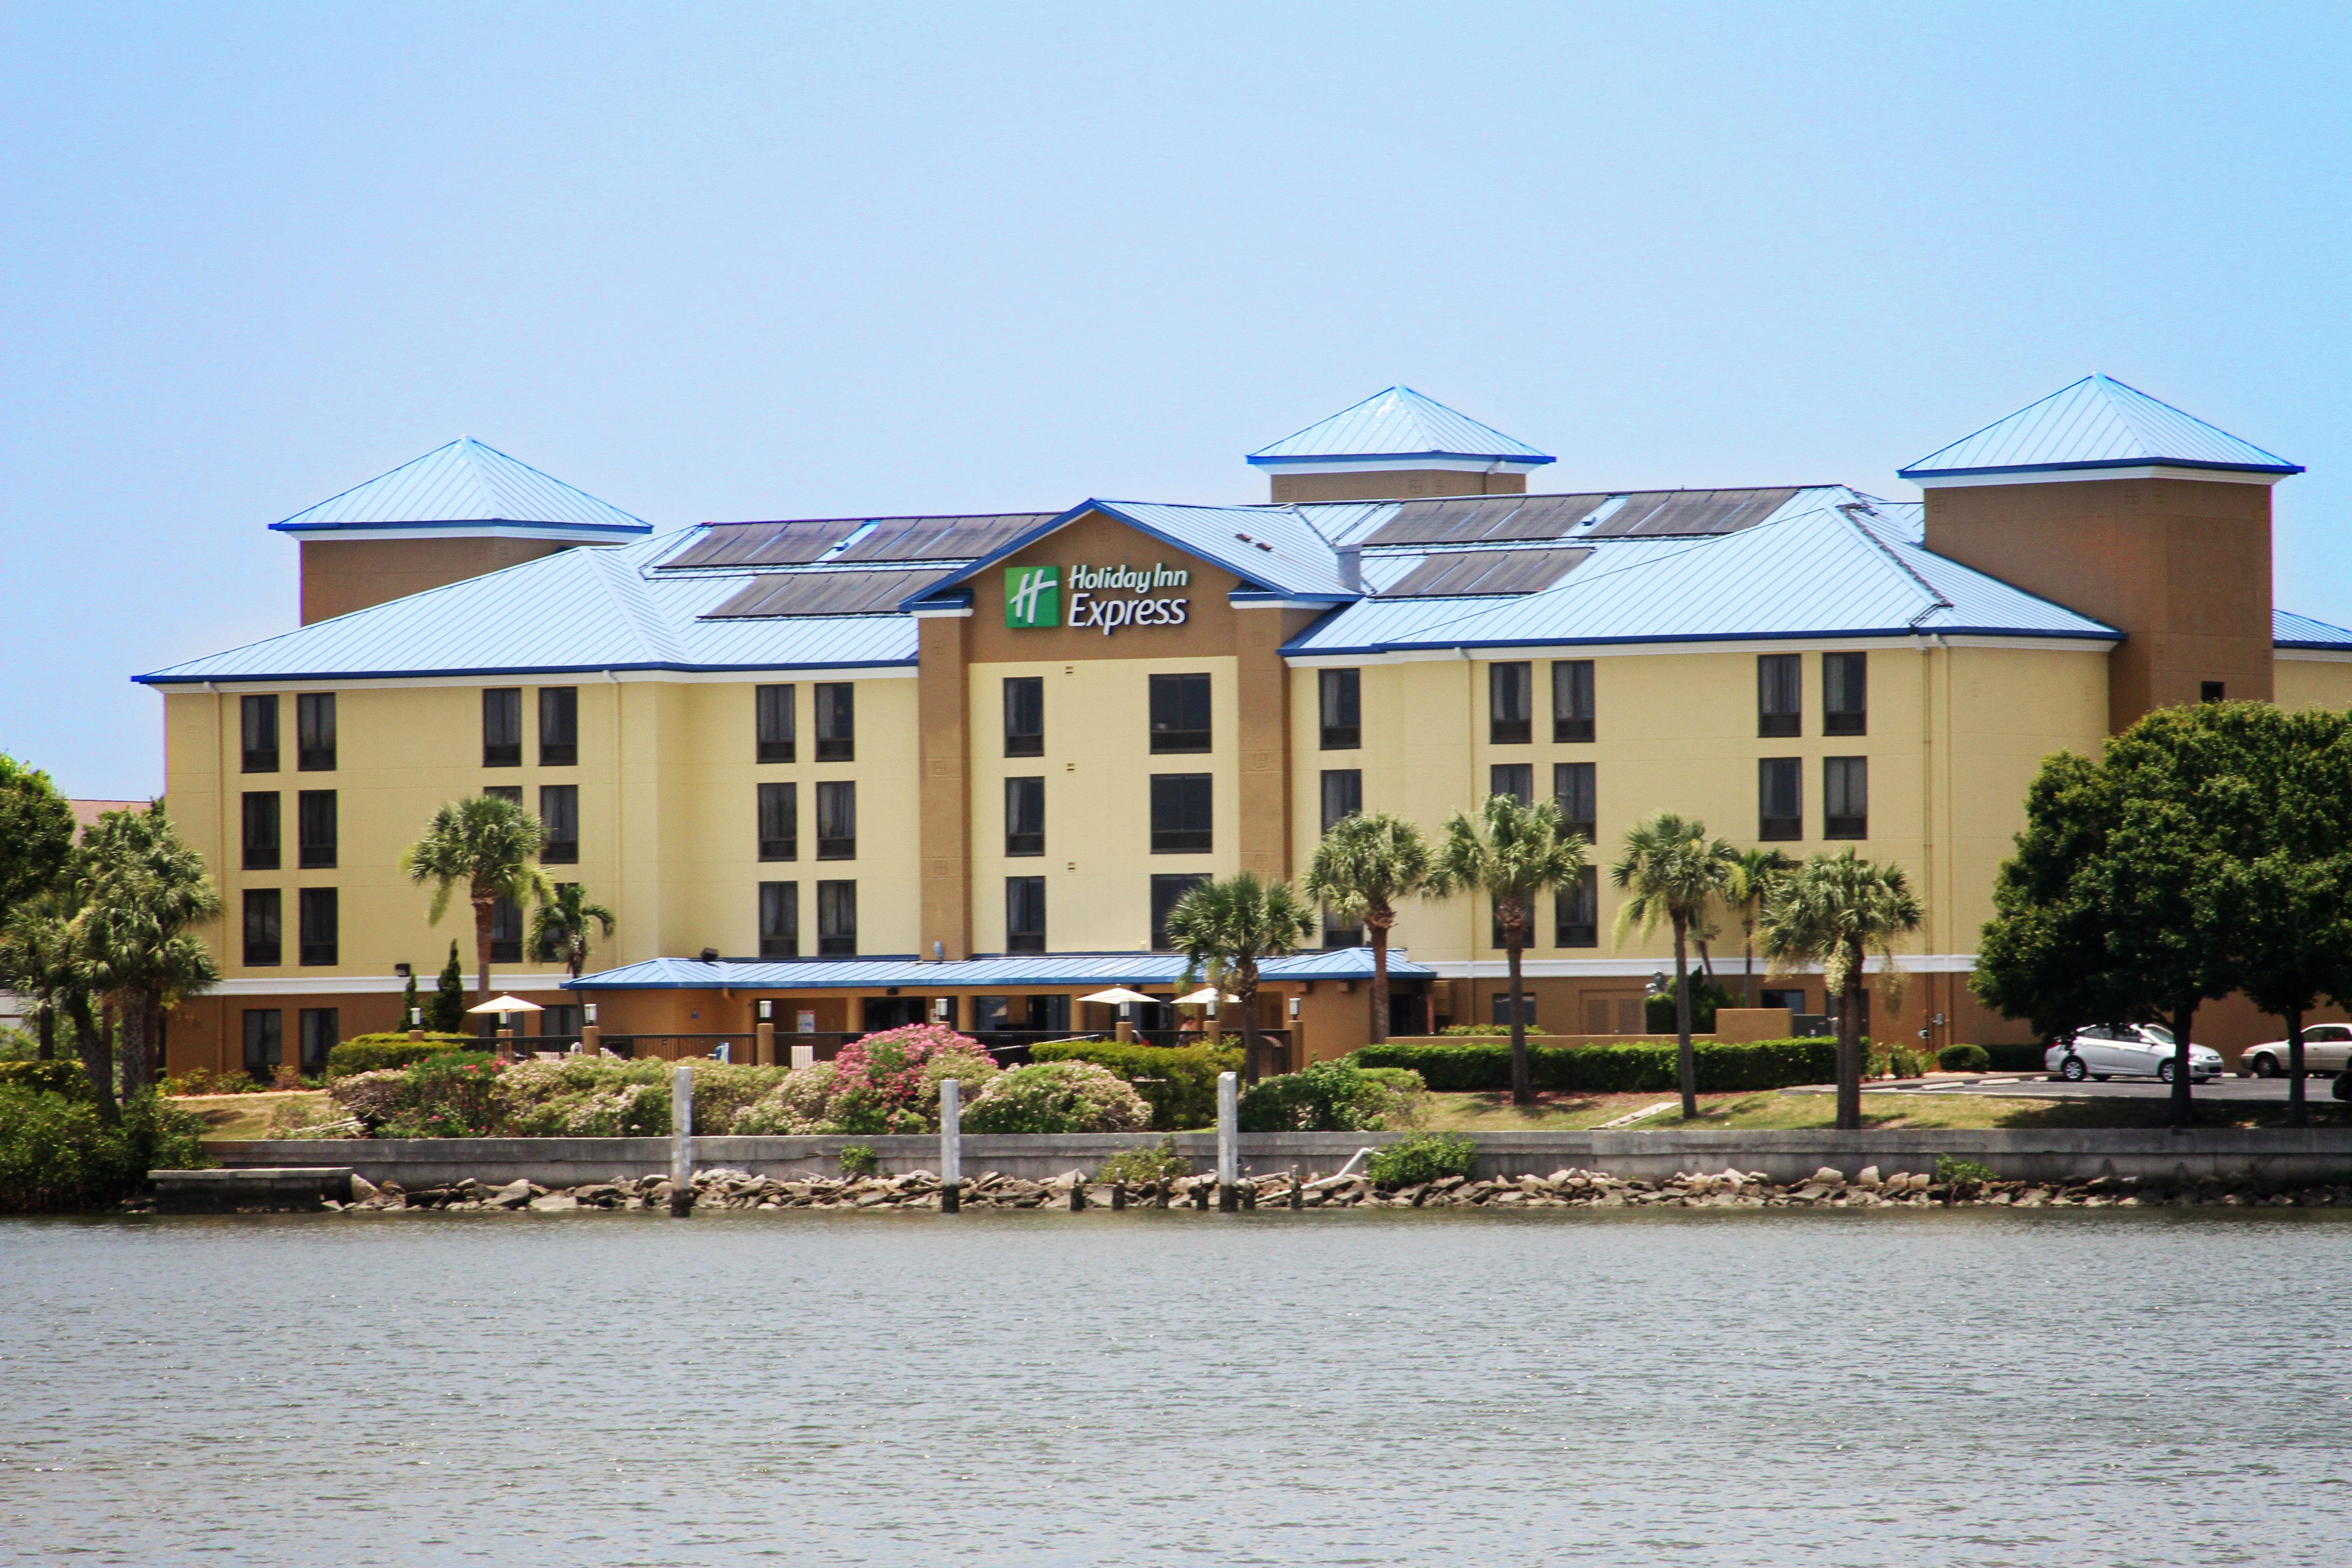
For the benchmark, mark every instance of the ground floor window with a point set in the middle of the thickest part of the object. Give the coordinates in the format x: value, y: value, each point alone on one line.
x: 1526, y: 1009
x: 560, y: 1022
x: 780, y: 920
x: 264, y: 1040
x: 836, y: 920
x: 1793, y: 1000
x: 322, y: 1031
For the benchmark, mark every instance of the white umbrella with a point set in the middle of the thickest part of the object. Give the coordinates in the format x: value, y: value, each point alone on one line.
x: 1118, y: 994
x: 503, y: 1004
x: 1206, y: 993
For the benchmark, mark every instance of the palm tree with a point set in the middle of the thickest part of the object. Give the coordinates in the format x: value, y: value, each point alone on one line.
x: 39, y: 961
x: 1513, y: 854
x: 489, y: 845
x: 141, y: 888
x: 558, y: 928
x: 1224, y: 929
x: 1835, y: 910
x: 1754, y: 874
x: 1364, y: 865
x: 1672, y: 871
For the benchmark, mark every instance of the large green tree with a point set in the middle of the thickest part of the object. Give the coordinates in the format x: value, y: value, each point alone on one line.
x: 140, y: 889
x: 40, y: 961
x: 490, y: 847
x: 1513, y: 853
x: 1226, y: 929
x: 1836, y: 910
x: 1361, y: 867
x: 1670, y: 872
x: 37, y: 834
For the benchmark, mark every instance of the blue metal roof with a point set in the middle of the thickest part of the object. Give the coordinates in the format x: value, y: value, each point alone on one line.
x: 2291, y: 630
x: 1270, y: 548
x: 1036, y: 969
x: 1396, y: 423
x: 465, y: 482
x: 1828, y: 571
x: 2098, y: 422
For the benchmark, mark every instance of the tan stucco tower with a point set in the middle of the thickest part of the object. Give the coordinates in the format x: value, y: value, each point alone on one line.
x: 2112, y: 503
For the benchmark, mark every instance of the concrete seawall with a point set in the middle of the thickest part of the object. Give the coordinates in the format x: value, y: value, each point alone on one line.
x: 2261, y: 1157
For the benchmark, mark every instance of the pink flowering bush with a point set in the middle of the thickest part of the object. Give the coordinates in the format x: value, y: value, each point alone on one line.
x: 886, y: 1082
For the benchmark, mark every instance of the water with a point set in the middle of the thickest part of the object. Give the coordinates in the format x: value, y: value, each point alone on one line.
x: 1398, y: 1388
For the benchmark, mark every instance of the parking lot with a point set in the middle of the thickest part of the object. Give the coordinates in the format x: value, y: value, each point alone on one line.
x: 2271, y: 1090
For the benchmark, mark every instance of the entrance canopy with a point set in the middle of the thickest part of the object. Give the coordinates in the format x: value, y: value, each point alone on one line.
x: 1047, y: 969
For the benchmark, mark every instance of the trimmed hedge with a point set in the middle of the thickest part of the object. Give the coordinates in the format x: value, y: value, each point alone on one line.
x: 69, y: 1078
x: 1644, y: 1068
x: 373, y: 1053
x: 1179, y: 1082
x: 1964, y: 1058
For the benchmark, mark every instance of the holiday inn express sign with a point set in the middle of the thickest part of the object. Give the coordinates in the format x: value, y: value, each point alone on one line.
x: 1106, y: 597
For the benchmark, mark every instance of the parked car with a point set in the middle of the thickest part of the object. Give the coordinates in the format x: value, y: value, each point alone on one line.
x: 2327, y: 1048
x: 2126, y: 1050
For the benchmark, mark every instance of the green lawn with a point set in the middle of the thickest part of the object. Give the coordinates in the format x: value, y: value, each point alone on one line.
x: 1772, y: 1109
x: 246, y: 1116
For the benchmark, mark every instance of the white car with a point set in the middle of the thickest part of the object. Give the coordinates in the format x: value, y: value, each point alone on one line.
x: 2126, y: 1050
x: 2327, y: 1047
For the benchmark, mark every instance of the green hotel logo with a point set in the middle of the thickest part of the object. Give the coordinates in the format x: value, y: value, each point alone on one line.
x: 1032, y: 597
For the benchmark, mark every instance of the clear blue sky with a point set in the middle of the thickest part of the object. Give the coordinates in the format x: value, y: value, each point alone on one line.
x: 767, y: 261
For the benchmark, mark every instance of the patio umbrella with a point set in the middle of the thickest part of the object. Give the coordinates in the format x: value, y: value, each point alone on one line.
x: 1118, y: 994
x: 505, y: 1005
x: 1205, y: 995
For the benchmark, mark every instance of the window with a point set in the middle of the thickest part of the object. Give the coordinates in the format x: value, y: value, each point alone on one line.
x: 1165, y: 891
x: 1180, y: 712
x: 559, y: 818
x: 1780, y: 695
x: 1180, y: 814
x: 1341, y: 692
x: 1845, y: 694
x: 778, y: 724
x: 502, y: 727
x: 1516, y: 780
x: 837, y: 721
x: 1576, y: 911
x: 780, y: 918
x: 257, y: 721
x: 1793, y: 1000
x: 1781, y: 798
x: 321, y: 1031
x: 320, y: 925
x: 1025, y: 716
x: 1343, y: 794
x: 510, y: 794
x: 559, y: 726
x: 560, y: 1022
x: 506, y: 931
x: 1845, y: 797
x: 780, y: 823
x: 1025, y: 817
x: 2206, y: 691
x: 314, y: 828
x: 1340, y: 931
x: 1024, y: 914
x: 264, y: 1040
x: 314, y: 733
x: 265, y: 926
x: 1573, y: 788
x: 836, y: 920
x: 1571, y: 700
x: 1510, y: 704
x: 261, y: 830
x: 836, y: 822
x: 1503, y: 1008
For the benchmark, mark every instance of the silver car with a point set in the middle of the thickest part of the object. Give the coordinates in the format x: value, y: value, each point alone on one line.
x: 2126, y: 1050
x: 2327, y: 1047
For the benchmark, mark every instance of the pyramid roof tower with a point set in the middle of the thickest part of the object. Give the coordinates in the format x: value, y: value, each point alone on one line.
x: 2095, y: 427
x: 1397, y: 443
x: 469, y: 487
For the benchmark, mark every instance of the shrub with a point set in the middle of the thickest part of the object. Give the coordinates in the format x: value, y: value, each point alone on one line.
x: 1057, y: 1096
x: 1426, y: 1157
x: 373, y: 1053
x: 1658, y: 1012
x: 1476, y: 1029
x: 1964, y: 1058
x: 860, y: 1160
x: 57, y: 1153
x: 1328, y: 1097
x: 796, y: 1105
x: 204, y: 1081
x: 450, y: 1096
x: 1951, y: 1169
x: 1179, y: 1083
x: 890, y: 1081
x: 68, y: 1078
x: 1893, y: 1061
x: 1138, y: 1167
x: 1641, y: 1068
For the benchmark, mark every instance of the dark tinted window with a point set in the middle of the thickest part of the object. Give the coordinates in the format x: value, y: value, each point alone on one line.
x: 780, y: 823
x: 2206, y: 691
x: 1025, y: 817
x: 1340, y: 931
x: 1572, y: 785
x: 1781, y: 798
x: 506, y: 931
x: 314, y: 815
x: 836, y: 920
x: 1025, y: 716
x: 1780, y: 695
x: 1516, y: 780
x: 264, y: 1040
x: 1503, y: 1007
x: 1341, y: 692
x: 1165, y: 891
x: 1576, y: 911
x: 778, y: 723
x: 836, y: 822
x: 321, y: 925
x: 559, y: 726
x: 314, y: 732
x: 1845, y: 797
x: 1343, y: 794
x: 836, y: 722
x: 1510, y: 704
x: 322, y: 1029
x: 780, y: 920
x: 261, y: 832
x: 559, y: 816
x: 265, y: 926
x: 1180, y: 712
x: 1571, y: 700
x: 502, y: 727
x: 1024, y: 914
x: 1845, y: 694
x: 510, y: 794
x: 257, y: 721
x: 1180, y: 813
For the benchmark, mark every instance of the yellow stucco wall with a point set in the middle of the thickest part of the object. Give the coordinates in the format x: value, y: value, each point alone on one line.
x: 2312, y: 682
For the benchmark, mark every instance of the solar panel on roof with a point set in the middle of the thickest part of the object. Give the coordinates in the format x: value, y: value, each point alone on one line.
x: 1653, y: 514
x: 940, y: 538
x: 1465, y: 520
x: 822, y: 594
x: 764, y: 543
x: 1486, y: 571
